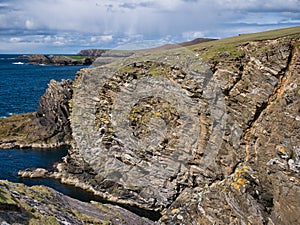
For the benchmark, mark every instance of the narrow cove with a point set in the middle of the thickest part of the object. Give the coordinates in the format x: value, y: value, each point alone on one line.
x: 13, y: 160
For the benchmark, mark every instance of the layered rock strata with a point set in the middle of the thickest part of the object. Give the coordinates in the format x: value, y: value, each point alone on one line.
x: 231, y: 156
x: 20, y: 204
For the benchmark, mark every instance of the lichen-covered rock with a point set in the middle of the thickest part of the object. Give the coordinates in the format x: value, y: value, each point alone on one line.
x: 20, y: 204
x: 262, y: 108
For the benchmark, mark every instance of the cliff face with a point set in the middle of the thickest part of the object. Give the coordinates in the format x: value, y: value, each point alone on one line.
x: 47, y: 128
x: 260, y: 146
x: 204, y: 135
x: 222, y: 148
x: 92, y: 52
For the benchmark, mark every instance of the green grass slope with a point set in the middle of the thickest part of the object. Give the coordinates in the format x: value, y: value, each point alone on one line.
x: 211, y: 50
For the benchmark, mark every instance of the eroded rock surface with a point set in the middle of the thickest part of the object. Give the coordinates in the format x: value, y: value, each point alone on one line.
x: 48, y: 128
x: 20, y: 204
x: 262, y: 103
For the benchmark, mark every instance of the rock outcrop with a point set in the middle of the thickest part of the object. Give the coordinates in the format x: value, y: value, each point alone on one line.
x: 49, y: 127
x: 20, y: 204
x: 92, y: 52
x: 59, y: 60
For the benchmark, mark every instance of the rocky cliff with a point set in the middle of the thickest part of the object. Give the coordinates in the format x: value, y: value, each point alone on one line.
x: 59, y: 60
x: 47, y: 128
x: 213, y: 141
x: 92, y: 52
x: 207, y: 134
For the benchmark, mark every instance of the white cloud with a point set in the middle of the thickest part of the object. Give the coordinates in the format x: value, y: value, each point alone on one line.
x: 193, y: 35
x: 15, y: 39
x: 29, y: 24
x: 103, y: 38
x: 58, y: 43
x: 47, y: 38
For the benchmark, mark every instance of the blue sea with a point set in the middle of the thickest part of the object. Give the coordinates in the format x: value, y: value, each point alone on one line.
x: 21, y: 86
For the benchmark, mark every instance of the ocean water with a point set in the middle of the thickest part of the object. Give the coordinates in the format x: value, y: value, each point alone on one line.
x: 21, y: 86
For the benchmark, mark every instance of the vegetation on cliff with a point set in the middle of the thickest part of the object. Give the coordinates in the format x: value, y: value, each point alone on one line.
x: 20, y: 204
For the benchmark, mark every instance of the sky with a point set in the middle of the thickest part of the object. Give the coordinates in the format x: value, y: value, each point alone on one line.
x: 67, y: 26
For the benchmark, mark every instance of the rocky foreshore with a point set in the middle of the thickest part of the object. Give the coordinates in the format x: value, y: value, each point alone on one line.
x: 222, y: 148
x: 20, y: 204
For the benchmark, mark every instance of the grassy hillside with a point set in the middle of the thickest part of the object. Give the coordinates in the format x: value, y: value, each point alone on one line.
x: 211, y: 50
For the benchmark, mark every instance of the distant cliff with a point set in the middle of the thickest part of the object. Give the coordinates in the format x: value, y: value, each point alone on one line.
x: 92, y: 52
x: 60, y: 60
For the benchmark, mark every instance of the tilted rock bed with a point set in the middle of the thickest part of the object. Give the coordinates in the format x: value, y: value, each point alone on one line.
x: 20, y: 204
x: 137, y: 127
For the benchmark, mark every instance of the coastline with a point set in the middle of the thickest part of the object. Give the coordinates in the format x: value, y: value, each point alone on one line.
x: 257, y: 148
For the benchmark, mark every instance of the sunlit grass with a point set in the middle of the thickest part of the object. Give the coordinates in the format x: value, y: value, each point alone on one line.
x: 77, y: 57
x: 211, y: 50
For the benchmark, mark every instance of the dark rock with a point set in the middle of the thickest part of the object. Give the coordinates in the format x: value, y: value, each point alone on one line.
x: 48, y: 128
x: 58, y: 60
x: 54, y: 110
x: 92, y: 52
x: 41, y: 205
x: 38, y: 59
